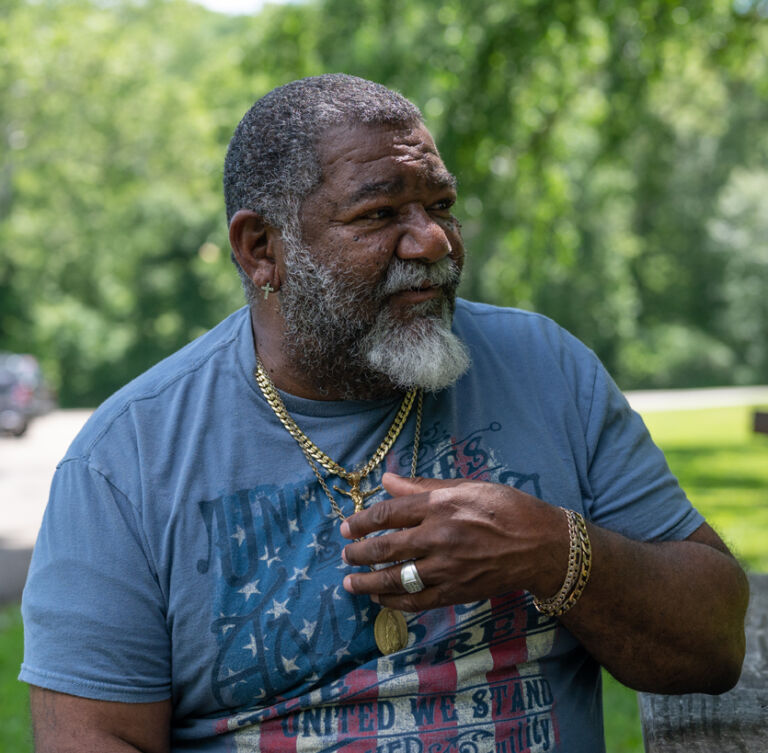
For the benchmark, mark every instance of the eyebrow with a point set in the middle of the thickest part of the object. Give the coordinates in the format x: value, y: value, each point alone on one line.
x: 375, y: 188
x: 437, y: 179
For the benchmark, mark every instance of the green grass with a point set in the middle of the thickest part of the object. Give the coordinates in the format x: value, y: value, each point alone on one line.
x: 721, y: 464
x: 723, y: 467
x: 14, y: 708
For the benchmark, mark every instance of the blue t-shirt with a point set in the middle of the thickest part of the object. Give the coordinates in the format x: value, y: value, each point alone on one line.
x: 188, y: 552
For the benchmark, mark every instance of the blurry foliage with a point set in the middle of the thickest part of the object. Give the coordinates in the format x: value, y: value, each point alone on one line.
x: 611, y: 160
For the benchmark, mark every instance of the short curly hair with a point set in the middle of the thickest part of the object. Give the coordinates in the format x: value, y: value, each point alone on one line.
x: 272, y: 161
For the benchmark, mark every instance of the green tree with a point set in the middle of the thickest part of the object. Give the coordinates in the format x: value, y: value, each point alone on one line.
x: 114, y: 211
x: 598, y: 146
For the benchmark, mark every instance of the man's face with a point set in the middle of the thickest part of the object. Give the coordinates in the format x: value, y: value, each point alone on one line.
x: 369, y: 289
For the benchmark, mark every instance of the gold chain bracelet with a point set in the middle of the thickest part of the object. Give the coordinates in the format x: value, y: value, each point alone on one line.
x: 579, y: 569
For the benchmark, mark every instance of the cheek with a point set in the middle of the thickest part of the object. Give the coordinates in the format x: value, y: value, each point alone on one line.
x: 457, y: 250
x: 365, y: 269
x: 370, y: 264
x: 360, y: 260
x: 453, y: 228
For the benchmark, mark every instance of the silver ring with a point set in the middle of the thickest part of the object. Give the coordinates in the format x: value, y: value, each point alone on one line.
x: 409, y: 577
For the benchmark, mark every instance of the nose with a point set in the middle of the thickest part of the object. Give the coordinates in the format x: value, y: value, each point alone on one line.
x: 423, y: 238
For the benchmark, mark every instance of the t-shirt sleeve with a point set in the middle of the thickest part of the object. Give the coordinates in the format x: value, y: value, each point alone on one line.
x: 632, y: 488
x: 94, y: 613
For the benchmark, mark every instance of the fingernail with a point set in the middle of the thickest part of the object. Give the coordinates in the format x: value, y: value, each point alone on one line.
x: 344, y: 530
x: 375, y: 599
x: 347, y: 583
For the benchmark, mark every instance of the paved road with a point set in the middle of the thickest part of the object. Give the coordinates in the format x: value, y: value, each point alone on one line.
x: 27, y: 465
x: 646, y: 401
x: 26, y: 469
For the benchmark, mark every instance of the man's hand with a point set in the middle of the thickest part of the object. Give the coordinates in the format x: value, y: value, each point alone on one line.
x: 472, y: 540
x: 666, y: 617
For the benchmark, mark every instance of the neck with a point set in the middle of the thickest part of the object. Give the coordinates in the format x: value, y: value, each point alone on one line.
x: 320, y: 383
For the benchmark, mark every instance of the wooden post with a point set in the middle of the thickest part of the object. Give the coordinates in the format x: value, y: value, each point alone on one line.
x: 734, y: 722
x: 760, y: 422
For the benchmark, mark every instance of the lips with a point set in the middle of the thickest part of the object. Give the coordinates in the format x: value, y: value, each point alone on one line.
x: 418, y: 294
x: 426, y: 285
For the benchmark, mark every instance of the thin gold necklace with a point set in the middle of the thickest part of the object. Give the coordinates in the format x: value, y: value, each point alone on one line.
x: 390, y: 629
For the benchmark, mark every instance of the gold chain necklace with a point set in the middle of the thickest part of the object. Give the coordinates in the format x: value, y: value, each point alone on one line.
x: 313, y: 452
x: 390, y: 629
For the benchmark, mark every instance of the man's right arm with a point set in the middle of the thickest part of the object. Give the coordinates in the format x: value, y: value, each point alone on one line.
x: 69, y: 724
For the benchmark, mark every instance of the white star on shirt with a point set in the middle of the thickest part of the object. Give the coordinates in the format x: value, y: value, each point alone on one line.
x: 250, y: 589
x: 231, y: 673
x: 239, y: 534
x: 314, y: 544
x: 309, y: 629
x: 293, y: 525
x: 252, y: 646
x: 278, y: 608
x: 269, y: 560
x: 289, y: 665
x: 227, y: 626
x: 300, y: 573
x: 363, y: 616
x: 336, y: 594
x: 342, y: 652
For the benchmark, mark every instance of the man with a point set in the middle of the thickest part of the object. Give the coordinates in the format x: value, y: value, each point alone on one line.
x: 202, y: 580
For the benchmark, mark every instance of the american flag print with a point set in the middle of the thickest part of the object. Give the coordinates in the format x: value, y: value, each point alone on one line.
x: 297, y: 667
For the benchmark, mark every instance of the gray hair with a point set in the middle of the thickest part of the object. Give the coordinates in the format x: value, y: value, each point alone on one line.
x: 272, y: 162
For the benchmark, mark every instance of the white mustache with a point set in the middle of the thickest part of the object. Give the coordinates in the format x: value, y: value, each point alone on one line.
x: 406, y: 275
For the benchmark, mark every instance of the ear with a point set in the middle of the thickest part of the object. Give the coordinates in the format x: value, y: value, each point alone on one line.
x: 255, y: 244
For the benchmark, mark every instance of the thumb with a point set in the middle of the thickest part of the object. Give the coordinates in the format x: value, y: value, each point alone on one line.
x: 400, y: 486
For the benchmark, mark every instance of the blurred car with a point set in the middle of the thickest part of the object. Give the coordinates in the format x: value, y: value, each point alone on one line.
x: 24, y: 393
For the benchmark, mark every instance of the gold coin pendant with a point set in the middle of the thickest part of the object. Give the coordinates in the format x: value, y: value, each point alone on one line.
x: 390, y: 630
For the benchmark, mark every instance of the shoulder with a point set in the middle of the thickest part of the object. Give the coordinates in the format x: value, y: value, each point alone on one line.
x: 512, y: 321
x: 168, y: 382
x: 530, y: 355
x: 525, y: 333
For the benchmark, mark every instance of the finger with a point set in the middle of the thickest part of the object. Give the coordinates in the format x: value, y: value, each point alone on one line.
x: 377, y: 550
x: 384, y: 581
x: 384, y: 515
x: 400, y: 486
x: 387, y: 580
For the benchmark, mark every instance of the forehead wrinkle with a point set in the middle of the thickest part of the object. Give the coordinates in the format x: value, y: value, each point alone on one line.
x: 437, y: 178
x: 381, y: 162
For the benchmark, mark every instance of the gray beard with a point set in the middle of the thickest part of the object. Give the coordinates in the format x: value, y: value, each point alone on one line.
x: 339, y: 330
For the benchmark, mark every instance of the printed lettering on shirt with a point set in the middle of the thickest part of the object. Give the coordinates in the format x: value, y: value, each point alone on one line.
x: 297, y: 666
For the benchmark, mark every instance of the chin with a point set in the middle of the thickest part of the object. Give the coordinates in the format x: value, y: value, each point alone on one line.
x: 421, y: 353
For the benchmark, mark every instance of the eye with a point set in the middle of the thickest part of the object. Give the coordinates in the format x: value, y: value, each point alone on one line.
x: 380, y: 213
x: 443, y: 206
